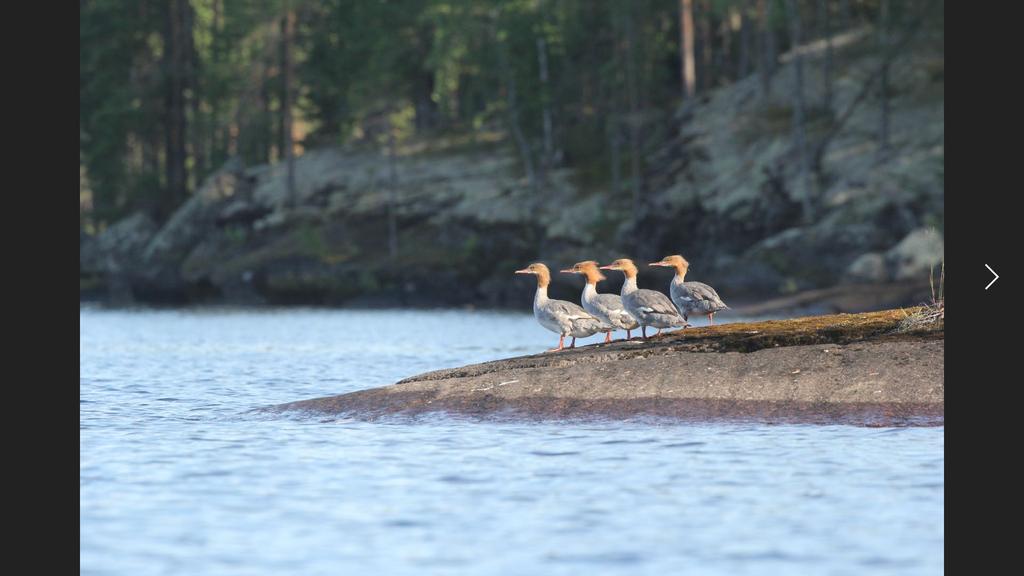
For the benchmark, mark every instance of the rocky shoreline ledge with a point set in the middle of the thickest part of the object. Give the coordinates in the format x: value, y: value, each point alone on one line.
x: 838, y: 369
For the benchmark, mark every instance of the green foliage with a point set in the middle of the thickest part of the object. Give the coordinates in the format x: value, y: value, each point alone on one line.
x: 115, y: 98
x: 310, y: 240
x: 415, y: 67
x: 236, y: 235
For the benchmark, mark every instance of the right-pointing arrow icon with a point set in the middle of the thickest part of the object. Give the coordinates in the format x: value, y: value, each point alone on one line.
x: 994, y: 274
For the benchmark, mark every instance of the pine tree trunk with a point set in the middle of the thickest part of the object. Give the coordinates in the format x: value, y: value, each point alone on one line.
x: 615, y: 148
x: 744, y: 64
x: 542, y: 62
x: 198, y: 131
x: 724, y: 61
x: 707, y: 69
x: 215, y: 138
x: 799, y: 129
x: 824, y: 19
x: 286, y: 103
x: 688, y: 72
x: 174, y: 102
x: 883, y: 37
x: 151, y: 154
x: 279, y: 131
x: 392, y: 194
x: 425, y: 108
x: 266, y: 132
x: 634, y: 121
x: 766, y: 36
x: 512, y: 107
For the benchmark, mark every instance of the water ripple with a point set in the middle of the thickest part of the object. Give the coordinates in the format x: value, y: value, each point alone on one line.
x: 178, y: 476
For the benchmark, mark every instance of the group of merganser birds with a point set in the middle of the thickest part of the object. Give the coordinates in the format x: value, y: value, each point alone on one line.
x: 635, y: 307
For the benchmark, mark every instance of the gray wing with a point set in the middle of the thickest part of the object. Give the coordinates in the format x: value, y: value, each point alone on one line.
x: 611, y: 306
x: 656, y: 302
x: 682, y: 298
x: 567, y: 309
x: 609, y: 300
x: 579, y: 321
x: 706, y: 296
x: 607, y: 303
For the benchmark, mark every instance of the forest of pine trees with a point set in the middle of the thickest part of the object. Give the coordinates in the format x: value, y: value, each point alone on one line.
x: 170, y: 89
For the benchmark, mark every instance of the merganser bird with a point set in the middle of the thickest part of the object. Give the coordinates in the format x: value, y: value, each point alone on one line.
x: 607, y: 307
x: 649, y: 307
x: 691, y: 297
x: 564, y: 318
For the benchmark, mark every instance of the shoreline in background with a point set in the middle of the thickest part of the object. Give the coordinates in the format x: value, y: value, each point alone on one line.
x: 834, y: 300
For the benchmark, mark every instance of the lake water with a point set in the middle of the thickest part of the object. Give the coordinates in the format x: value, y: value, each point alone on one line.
x: 178, y: 477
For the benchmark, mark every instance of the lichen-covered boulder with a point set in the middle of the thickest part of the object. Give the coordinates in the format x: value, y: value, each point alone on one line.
x: 916, y: 255
x: 197, y: 216
x: 118, y: 247
x: 869, y: 267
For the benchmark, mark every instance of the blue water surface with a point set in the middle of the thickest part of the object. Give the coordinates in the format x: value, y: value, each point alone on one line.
x: 178, y: 477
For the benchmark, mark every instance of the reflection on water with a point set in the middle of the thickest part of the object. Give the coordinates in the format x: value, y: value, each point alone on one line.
x: 177, y: 477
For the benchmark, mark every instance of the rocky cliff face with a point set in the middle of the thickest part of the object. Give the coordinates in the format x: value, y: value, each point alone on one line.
x: 721, y: 186
x: 731, y: 180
